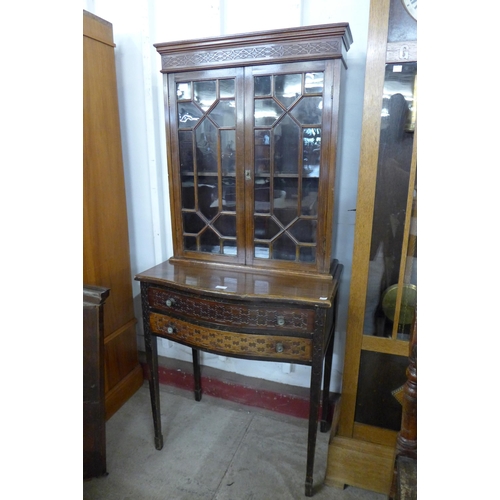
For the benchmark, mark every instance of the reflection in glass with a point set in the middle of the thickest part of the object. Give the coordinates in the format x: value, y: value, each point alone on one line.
x: 265, y: 228
x: 186, y: 150
x: 209, y: 241
x: 224, y: 114
x: 314, y: 83
x: 189, y: 114
x: 208, y: 199
x: 229, y: 247
x: 288, y: 88
x: 309, y: 110
x: 391, y: 195
x: 206, y: 147
x: 284, y: 248
x: 311, y: 150
x: 261, y: 251
x: 187, y: 192
x: 226, y: 225
x: 229, y: 194
x: 226, y: 88
x: 286, y: 146
x: 262, y: 151
x: 304, y: 231
x: 205, y: 94
x: 267, y: 111
x: 183, y: 91
x: 228, y: 153
x: 262, y: 85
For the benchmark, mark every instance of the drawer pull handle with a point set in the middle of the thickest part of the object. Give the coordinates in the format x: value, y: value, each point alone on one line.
x: 170, y: 302
x: 279, y: 347
x: 281, y: 320
x: 170, y: 329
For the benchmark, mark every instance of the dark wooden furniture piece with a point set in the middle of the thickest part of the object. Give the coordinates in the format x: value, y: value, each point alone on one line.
x: 251, y: 124
x: 246, y: 314
x: 106, y: 257
x: 383, y: 282
x: 94, y: 414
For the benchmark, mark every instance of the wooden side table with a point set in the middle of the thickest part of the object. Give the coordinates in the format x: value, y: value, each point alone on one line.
x: 248, y: 314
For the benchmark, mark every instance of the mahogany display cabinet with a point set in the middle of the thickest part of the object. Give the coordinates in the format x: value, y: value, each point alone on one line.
x: 252, y: 122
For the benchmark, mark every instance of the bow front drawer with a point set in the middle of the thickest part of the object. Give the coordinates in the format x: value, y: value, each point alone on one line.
x: 282, y: 348
x: 253, y: 316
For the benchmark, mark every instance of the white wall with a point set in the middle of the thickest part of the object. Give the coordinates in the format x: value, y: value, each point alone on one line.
x: 137, y: 25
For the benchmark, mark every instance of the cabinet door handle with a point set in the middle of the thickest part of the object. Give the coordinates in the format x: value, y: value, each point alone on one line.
x: 279, y: 347
x: 280, y: 320
x: 170, y: 329
x: 170, y: 302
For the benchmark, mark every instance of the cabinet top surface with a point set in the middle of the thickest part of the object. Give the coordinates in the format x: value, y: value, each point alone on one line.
x: 244, y: 284
x: 296, y: 33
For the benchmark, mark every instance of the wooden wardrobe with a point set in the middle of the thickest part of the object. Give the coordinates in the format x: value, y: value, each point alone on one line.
x: 106, y: 256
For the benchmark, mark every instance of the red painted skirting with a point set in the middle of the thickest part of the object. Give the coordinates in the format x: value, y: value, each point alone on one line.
x: 260, y: 398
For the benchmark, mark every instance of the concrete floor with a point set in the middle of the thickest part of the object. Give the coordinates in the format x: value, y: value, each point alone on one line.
x: 213, y: 450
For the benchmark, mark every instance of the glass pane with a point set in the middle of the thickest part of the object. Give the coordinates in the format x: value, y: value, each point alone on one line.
x: 186, y: 151
x: 286, y: 146
x: 226, y: 225
x: 229, y: 194
x: 205, y: 94
x: 267, y: 111
x: 228, y: 153
x: 187, y: 192
x: 189, y: 115
x: 209, y: 241
x: 183, y: 91
x: 206, y: 147
x: 286, y: 195
x: 208, y: 198
x: 307, y: 254
x: 311, y: 151
x: 304, y: 231
x: 261, y: 251
x: 309, y: 203
x: 262, y: 151
x: 192, y: 222
x: 190, y: 243
x: 314, y: 83
x: 224, y: 114
x: 284, y: 248
x: 229, y: 247
x: 391, y: 193
x: 261, y: 195
x: 262, y: 85
x: 288, y: 88
x: 381, y: 379
x: 309, y: 110
x: 226, y: 88
x: 265, y: 228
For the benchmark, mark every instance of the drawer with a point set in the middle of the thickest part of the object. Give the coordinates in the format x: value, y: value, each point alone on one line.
x: 278, y: 347
x: 253, y: 316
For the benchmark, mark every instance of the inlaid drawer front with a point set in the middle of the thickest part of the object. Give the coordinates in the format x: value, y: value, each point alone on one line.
x: 266, y: 346
x: 226, y: 313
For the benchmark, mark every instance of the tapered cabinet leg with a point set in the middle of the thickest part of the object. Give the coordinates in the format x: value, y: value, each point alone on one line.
x: 315, y: 395
x: 197, y: 375
x: 151, y: 346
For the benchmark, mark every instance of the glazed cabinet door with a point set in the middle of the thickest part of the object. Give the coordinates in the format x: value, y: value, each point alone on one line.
x: 205, y: 111
x: 290, y: 111
x: 251, y: 164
